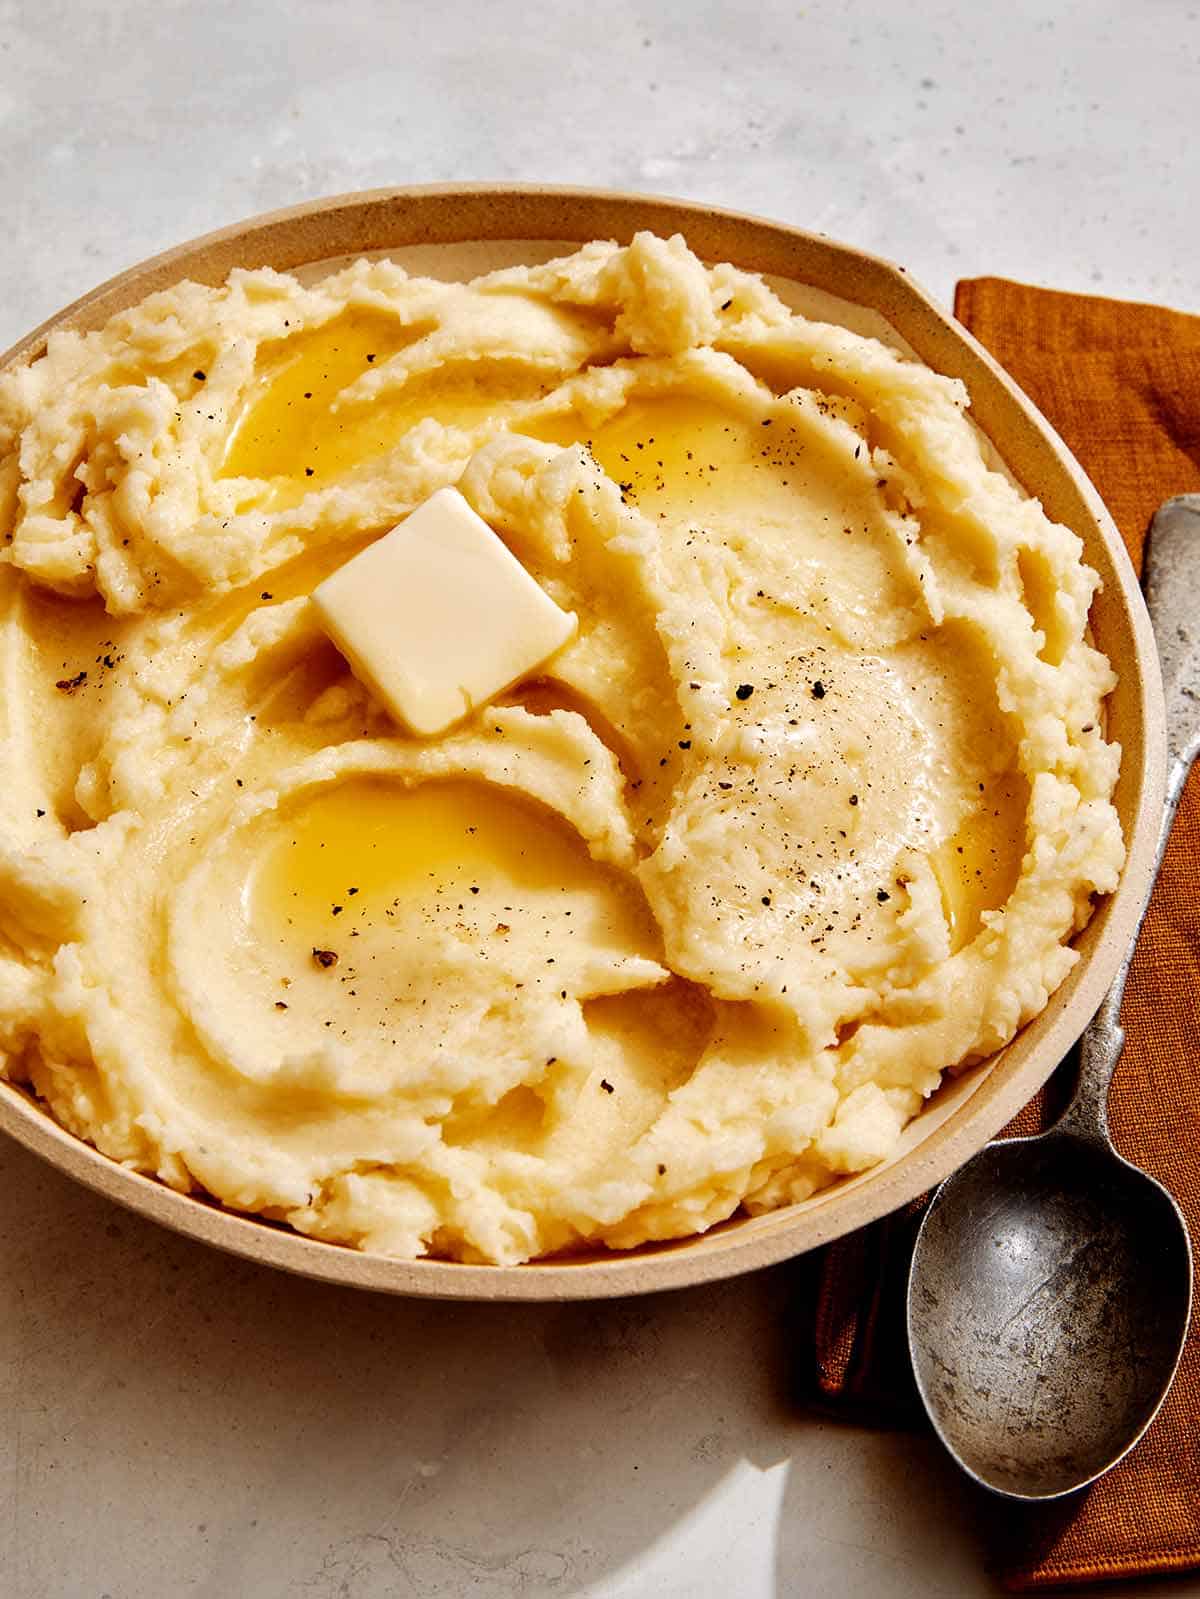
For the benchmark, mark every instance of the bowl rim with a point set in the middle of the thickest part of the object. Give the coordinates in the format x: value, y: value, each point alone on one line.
x: 455, y: 213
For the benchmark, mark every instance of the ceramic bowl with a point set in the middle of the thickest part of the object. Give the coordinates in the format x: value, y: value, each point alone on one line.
x: 453, y: 231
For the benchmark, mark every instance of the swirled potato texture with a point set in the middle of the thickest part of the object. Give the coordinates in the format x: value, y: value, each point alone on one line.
x: 805, y: 814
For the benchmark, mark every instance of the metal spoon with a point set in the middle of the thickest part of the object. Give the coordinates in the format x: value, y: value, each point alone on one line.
x: 1051, y: 1281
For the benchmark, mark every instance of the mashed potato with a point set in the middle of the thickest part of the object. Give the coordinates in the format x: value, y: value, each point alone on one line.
x: 804, y: 814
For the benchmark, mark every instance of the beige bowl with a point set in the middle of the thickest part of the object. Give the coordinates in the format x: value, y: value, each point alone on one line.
x: 452, y: 231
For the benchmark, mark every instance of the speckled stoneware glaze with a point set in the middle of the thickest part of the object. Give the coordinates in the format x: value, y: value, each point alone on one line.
x: 449, y: 223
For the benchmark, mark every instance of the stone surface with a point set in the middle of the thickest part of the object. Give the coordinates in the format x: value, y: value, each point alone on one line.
x: 176, y: 1422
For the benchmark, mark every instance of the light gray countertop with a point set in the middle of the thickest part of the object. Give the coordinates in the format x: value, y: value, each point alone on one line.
x: 179, y: 1423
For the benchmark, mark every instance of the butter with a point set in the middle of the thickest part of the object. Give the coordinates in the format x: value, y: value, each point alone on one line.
x: 438, y: 616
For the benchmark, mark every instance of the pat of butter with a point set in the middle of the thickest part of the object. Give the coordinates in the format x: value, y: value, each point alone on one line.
x: 438, y: 616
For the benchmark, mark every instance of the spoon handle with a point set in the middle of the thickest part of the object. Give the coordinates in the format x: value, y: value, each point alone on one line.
x: 1172, y: 579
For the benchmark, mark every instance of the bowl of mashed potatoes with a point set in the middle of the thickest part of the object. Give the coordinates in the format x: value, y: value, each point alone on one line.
x: 754, y: 909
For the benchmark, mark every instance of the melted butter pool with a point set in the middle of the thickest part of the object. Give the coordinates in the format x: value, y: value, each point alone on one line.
x: 978, y: 867
x: 370, y: 855
x: 683, y: 455
x: 295, y: 436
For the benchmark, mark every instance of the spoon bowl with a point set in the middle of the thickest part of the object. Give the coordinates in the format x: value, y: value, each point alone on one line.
x: 1052, y: 1290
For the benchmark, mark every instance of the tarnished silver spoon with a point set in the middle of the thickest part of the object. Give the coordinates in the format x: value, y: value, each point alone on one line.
x: 1051, y: 1280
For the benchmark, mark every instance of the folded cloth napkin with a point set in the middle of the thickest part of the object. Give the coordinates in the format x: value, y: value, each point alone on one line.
x: 1121, y: 383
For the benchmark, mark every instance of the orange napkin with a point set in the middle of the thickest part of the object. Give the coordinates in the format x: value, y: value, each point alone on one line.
x: 1121, y: 383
